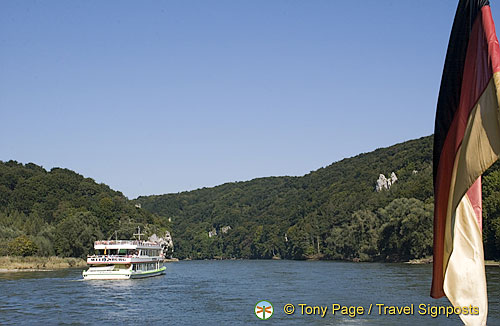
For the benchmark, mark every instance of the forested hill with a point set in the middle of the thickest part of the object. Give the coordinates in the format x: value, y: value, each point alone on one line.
x: 60, y: 212
x: 332, y: 213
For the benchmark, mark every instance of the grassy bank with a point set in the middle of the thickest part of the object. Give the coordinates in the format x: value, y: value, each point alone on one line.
x: 39, y: 263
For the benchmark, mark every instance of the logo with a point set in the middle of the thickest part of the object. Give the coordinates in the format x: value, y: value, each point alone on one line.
x: 264, y: 310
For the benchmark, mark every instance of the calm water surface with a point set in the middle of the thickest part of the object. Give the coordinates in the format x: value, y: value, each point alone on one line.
x: 225, y: 293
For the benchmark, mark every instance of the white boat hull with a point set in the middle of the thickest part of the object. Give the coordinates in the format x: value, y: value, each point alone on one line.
x: 155, y: 272
x: 121, y: 274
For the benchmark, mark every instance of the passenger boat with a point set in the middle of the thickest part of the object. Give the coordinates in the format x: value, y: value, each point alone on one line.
x: 125, y: 259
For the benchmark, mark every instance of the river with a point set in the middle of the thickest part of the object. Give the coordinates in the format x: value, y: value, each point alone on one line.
x: 226, y: 293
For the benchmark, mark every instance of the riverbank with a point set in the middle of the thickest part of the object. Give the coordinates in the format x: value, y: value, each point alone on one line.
x: 426, y: 260
x: 32, y: 263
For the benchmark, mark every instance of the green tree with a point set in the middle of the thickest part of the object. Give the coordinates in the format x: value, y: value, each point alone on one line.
x: 361, y: 236
x: 75, y: 235
x: 22, y: 246
x: 491, y: 214
x: 406, y: 232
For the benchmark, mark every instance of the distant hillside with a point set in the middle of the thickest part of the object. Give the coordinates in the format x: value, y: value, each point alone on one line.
x: 332, y: 213
x: 61, y: 212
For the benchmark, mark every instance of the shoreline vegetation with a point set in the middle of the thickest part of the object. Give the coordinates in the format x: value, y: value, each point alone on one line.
x: 34, y: 263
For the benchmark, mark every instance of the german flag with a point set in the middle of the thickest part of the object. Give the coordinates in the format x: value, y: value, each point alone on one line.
x: 466, y: 143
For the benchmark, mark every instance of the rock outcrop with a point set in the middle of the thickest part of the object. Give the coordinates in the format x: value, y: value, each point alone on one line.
x: 385, y: 184
x: 222, y: 230
x: 212, y: 233
x: 166, y: 243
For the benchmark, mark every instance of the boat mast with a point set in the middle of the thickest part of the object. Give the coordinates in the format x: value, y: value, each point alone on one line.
x: 138, y: 233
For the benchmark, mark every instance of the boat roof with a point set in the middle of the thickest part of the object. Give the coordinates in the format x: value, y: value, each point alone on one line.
x: 126, y: 244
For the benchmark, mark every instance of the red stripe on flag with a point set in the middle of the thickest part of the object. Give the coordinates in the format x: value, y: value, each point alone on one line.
x: 474, y: 194
x: 491, y: 38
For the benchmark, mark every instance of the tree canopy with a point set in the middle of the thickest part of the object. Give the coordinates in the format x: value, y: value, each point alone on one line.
x: 61, y: 212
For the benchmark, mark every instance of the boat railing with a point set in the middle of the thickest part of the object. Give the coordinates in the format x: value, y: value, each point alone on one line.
x: 126, y: 242
x: 112, y: 256
x: 121, y: 256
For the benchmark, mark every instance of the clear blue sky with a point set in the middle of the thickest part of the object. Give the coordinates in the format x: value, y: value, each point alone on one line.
x: 154, y: 97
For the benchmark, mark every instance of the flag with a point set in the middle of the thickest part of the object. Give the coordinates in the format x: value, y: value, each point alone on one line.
x: 466, y: 143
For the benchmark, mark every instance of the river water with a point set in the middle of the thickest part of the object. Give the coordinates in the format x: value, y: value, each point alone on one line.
x: 226, y: 293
